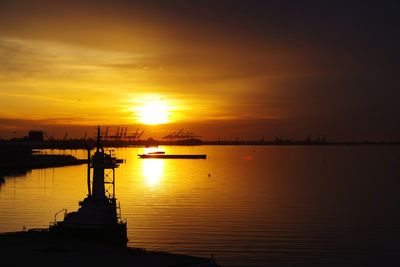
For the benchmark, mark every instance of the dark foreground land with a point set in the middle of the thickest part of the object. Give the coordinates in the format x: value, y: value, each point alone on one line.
x: 40, y: 249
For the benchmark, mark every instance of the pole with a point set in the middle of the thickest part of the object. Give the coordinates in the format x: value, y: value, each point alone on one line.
x: 88, y: 172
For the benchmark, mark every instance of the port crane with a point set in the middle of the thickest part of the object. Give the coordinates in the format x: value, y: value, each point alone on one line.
x: 106, y: 133
x: 117, y: 135
x: 48, y: 136
x: 136, y: 135
x: 65, y: 136
x: 173, y: 135
x: 180, y: 135
x: 122, y: 133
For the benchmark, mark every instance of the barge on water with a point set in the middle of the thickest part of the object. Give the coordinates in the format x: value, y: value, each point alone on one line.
x: 171, y: 156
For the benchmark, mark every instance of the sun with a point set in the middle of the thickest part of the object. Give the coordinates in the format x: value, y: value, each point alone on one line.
x: 153, y: 113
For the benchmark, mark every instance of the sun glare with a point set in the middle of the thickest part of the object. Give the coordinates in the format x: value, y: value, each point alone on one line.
x: 153, y: 113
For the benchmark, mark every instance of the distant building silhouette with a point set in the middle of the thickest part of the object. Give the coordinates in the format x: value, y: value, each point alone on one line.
x: 36, y: 136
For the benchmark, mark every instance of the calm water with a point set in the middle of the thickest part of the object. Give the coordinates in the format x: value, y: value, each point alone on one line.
x: 260, y: 206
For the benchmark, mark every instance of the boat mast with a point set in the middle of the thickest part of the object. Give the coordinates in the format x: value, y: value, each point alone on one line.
x: 98, y: 189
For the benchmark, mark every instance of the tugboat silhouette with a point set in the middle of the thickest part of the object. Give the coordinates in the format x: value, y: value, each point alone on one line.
x: 98, y: 218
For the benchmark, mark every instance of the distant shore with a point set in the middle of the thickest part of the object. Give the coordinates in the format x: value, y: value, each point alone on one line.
x: 84, y: 144
x: 42, y: 161
x: 18, y: 156
x: 17, y: 159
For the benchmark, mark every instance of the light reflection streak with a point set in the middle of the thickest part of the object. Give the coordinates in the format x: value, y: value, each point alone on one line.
x: 153, y: 171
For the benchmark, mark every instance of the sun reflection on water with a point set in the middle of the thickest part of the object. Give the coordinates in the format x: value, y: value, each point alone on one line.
x: 153, y: 171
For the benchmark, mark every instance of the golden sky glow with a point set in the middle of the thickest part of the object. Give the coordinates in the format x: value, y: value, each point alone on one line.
x: 102, y: 69
x: 242, y: 69
x: 80, y: 85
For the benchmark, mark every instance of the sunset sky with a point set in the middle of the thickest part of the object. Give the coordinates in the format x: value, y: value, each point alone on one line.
x: 222, y: 69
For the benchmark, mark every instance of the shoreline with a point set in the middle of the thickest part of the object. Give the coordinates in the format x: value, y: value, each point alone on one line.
x: 84, y: 144
x: 19, y: 166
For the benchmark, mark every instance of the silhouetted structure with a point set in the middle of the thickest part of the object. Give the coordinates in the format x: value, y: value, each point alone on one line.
x: 98, y: 217
x: 35, y: 136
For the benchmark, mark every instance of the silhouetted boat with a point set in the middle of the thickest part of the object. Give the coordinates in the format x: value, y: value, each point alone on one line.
x: 98, y: 217
x: 156, y: 153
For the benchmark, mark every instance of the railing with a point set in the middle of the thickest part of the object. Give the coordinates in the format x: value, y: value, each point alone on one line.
x: 119, y: 213
x: 58, y: 212
x: 38, y: 230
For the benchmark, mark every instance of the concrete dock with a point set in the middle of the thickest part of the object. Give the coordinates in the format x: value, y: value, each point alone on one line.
x: 40, y: 249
